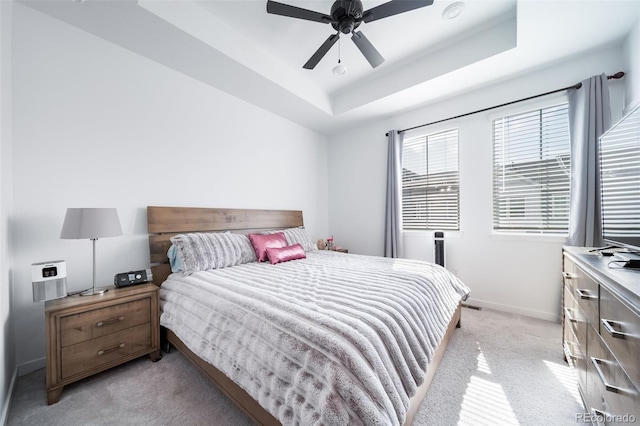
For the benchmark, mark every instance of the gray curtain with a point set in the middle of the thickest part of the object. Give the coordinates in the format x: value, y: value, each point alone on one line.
x: 589, y: 118
x: 393, y: 243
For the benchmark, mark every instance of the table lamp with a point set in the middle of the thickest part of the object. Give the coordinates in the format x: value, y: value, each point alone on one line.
x: 91, y: 223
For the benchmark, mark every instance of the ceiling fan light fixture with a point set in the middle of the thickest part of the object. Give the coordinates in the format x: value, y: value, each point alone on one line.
x: 453, y: 10
x: 339, y: 69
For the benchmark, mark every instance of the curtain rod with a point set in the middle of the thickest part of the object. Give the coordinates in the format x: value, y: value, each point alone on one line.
x: 575, y: 86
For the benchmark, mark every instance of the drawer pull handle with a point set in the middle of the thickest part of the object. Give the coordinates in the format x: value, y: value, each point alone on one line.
x: 111, y: 349
x: 599, y: 415
x: 609, y: 387
x: 608, y: 325
x: 109, y: 321
x: 568, y: 352
x: 570, y: 318
x: 567, y: 275
x: 583, y: 294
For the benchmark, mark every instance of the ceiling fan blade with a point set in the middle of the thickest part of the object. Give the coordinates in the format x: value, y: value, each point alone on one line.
x: 313, y: 61
x: 393, y: 8
x: 367, y: 49
x: 296, y: 12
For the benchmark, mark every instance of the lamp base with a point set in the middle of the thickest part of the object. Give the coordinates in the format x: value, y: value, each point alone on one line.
x: 94, y: 291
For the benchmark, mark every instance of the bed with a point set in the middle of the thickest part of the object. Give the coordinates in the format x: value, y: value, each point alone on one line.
x: 329, y: 338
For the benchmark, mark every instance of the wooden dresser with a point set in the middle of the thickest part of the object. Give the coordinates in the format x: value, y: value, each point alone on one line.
x: 601, y: 335
x: 89, y: 334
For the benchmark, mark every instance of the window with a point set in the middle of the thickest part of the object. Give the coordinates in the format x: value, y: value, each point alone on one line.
x: 431, y: 182
x: 531, y: 171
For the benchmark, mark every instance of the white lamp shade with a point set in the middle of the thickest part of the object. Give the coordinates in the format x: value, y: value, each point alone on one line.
x: 91, y: 223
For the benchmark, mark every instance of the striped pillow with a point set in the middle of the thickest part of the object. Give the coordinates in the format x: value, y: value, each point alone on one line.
x: 200, y: 252
x: 297, y: 236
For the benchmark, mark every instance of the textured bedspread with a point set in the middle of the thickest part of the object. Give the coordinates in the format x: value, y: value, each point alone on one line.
x: 330, y: 339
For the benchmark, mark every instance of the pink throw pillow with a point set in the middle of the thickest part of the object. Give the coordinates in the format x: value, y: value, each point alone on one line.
x: 261, y: 242
x: 284, y: 254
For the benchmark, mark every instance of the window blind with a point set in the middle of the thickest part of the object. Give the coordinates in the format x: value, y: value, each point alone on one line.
x: 431, y: 182
x: 531, y: 171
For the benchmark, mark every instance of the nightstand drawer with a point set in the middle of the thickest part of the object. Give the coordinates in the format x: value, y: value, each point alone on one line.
x: 87, y: 355
x: 99, y: 322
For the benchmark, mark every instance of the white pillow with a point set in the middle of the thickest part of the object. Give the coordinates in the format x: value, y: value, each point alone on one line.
x: 297, y: 236
x: 203, y: 251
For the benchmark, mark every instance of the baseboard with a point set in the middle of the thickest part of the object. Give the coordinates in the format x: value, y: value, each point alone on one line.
x: 30, y: 366
x: 548, y: 316
x: 4, y: 416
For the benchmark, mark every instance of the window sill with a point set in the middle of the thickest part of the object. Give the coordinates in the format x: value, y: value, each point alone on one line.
x: 523, y: 236
x: 429, y: 234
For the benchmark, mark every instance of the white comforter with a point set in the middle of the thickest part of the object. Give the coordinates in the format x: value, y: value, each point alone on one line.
x: 330, y: 339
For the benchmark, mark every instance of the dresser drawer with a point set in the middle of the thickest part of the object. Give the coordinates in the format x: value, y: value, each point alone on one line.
x: 99, y: 322
x: 575, y: 337
x: 576, y: 360
x: 620, y: 330
x: 620, y: 409
x: 610, y: 389
x: 569, y: 274
x: 87, y: 355
x: 585, y: 290
x: 575, y: 319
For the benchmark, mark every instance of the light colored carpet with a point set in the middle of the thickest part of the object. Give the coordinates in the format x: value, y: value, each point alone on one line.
x: 499, y: 369
x: 502, y: 369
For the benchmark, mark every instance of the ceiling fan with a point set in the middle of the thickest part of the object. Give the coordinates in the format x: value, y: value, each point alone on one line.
x: 346, y: 16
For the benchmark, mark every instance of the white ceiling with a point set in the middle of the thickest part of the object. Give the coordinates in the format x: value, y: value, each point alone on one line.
x: 237, y: 47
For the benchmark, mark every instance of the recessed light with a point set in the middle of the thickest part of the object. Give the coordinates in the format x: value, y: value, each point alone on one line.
x: 453, y: 10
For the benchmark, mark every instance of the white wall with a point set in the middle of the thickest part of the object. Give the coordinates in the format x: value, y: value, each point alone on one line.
x: 98, y: 126
x: 512, y: 273
x: 7, y: 355
x: 632, y: 67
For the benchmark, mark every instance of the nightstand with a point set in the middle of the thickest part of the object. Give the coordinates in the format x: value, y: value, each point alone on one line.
x: 89, y: 334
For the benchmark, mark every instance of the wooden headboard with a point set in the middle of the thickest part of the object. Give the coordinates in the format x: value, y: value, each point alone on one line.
x: 165, y: 222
